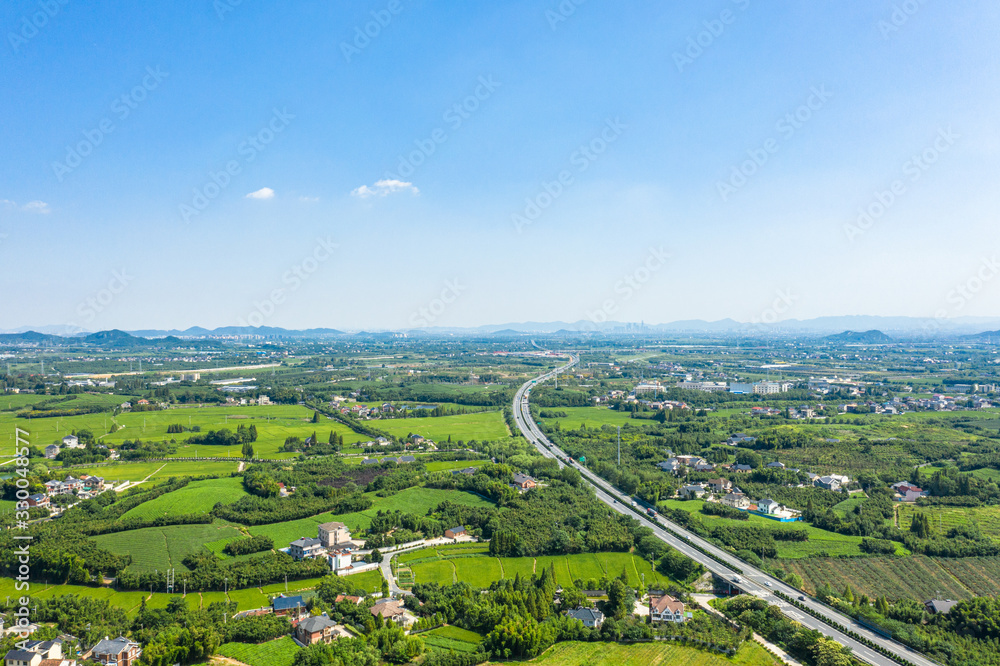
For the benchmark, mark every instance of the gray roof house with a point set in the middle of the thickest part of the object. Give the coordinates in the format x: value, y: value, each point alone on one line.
x: 589, y: 616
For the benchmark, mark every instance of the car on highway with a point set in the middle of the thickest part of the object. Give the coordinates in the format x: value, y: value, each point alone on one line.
x: 768, y: 583
x: 802, y: 597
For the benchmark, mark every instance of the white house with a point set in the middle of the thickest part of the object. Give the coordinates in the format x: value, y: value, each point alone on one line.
x: 339, y: 559
x: 71, y: 442
x: 666, y: 609
x: 769, y: 507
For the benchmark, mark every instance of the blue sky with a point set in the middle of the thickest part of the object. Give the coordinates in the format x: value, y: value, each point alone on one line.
x: 732, y: 146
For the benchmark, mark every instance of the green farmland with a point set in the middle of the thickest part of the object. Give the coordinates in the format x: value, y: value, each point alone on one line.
x: 412, y: 500
x: 279, y: 652
x: 480, y: 570
x: 820, y: 541
x: 648, y: 654
x: 159, y: 548
x: 196, y: 497
x: 481, y: 425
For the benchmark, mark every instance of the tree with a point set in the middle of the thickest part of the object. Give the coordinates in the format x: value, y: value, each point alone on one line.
x: 315, y: 418
x: 248, y: 450
x: 621, y: 600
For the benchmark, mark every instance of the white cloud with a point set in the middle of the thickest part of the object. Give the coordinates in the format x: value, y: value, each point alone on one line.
x: 262, y: 193
x: 384, y: 188
x: 39, y: 207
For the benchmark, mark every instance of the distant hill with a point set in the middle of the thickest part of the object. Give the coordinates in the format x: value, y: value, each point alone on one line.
x: 30, y: 337
x: 986, y: 336
x: 872, y: 337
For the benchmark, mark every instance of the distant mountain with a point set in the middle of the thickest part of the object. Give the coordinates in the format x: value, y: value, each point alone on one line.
x: 872, y: 337
x: 992, y: 337
x: 29, y: 337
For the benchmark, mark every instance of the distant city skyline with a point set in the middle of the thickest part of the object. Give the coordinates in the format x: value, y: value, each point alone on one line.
x: 398, y: 164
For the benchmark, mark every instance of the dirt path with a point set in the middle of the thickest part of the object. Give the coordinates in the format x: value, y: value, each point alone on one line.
x: 240, y: 467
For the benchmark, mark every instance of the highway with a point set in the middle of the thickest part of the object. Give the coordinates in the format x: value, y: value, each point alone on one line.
x: 752, y: 580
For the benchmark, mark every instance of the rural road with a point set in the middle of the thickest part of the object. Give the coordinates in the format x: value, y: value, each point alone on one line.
x: 719, y: 562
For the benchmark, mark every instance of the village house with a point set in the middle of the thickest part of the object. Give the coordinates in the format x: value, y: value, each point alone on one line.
x: 720, y: 485
x: 304, y: 548
x: 736, y: 501
x: 691, y: 492
x: 389, y: 609
x: 51, y: 451
x: 71, y: 442
x: 39, y: 500
x: 339, y: 560
x: 348, y: 598
x: 455, y: 532
x: 590, y: 617
x: 666, y: 609
x: 316, y: 629
x: 742, y: 469
x: 465, y: 470
x: 283, y: 605
x: 769, y: 507
x: 776, y: 465
x: 523, y: 482
x: 332, y: 535
x: 935, y: 606
x: 116, y: 652
x: 671, y: 465
x: 38, y: 653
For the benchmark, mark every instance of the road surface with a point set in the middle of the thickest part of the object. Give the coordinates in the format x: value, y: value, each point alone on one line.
x: 752, y: 580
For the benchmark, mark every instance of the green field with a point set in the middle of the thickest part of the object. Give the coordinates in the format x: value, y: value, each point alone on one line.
x: 648, y: 654
x: 481, y: 426
x: 447, y: 465
x: 594, y: 417
x: 451, y: 638
x: 196, y: 497
x: 280, y: 652
x: 137, y: 471
x: 820, y: 541
x: 160, y: 548
x: 943, y: 518
x: 412, y: 500
x: 434, y: 566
